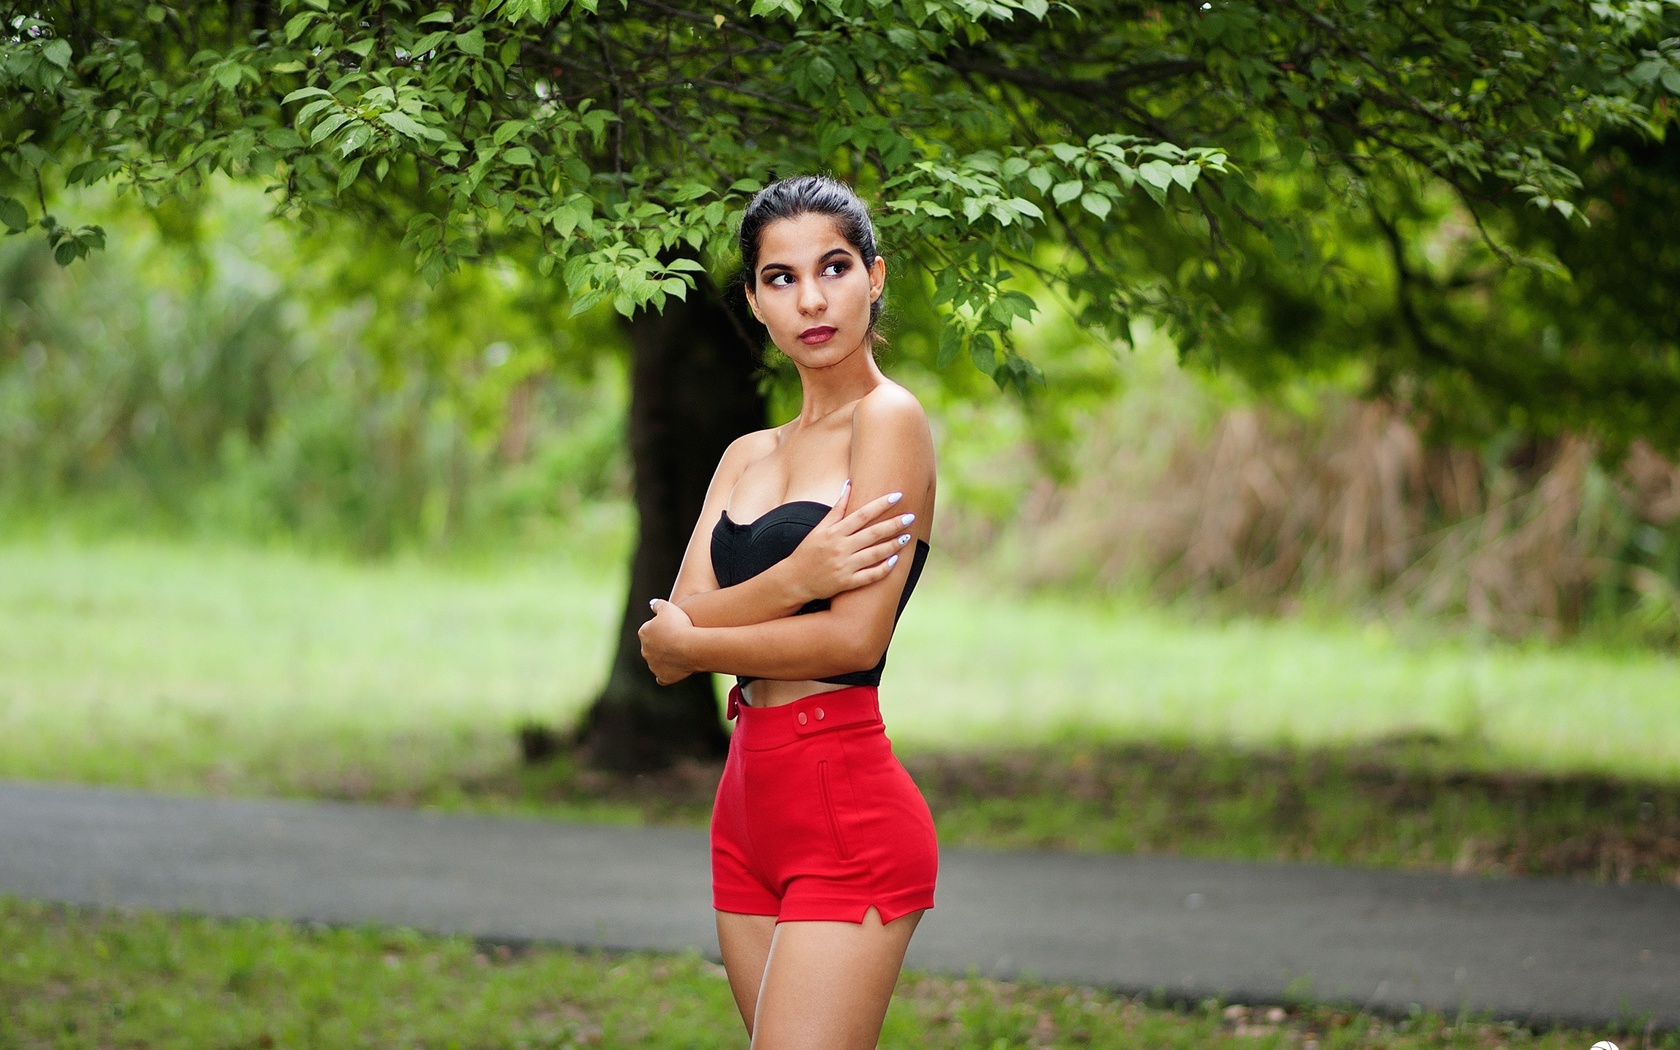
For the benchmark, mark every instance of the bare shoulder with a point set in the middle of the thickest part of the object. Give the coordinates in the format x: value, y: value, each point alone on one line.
x: 746, y: 450
x: 890, y: 409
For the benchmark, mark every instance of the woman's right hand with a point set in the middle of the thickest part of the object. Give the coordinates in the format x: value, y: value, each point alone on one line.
x: 847, y: 551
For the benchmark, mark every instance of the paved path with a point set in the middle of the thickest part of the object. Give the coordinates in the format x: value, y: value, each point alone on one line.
x: 1539, y: 950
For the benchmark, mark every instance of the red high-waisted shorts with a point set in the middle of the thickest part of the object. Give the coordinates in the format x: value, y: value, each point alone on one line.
x: 815, y: 818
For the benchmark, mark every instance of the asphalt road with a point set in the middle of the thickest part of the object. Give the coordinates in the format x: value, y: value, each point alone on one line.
x: 1535, y: 950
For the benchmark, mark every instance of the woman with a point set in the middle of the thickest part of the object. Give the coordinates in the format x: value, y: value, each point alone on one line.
x: 823, y: 852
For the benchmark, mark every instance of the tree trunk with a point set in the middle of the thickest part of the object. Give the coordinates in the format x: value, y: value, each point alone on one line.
x: 693, y: 390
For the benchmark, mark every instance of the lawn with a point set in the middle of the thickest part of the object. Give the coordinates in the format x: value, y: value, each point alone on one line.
x: 82, y: 979
x: 208, y: 668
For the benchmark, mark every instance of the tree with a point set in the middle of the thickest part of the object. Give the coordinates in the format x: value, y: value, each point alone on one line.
x: 1083, y: 145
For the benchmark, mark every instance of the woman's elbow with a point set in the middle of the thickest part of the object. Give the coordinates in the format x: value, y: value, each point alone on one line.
x: 859, y: 651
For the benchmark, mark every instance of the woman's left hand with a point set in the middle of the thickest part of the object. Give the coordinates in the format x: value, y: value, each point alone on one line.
x: 662, y: 642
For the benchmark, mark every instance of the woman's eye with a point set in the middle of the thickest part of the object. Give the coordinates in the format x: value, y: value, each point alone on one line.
x: 780, y: 280
x: 835, y: 269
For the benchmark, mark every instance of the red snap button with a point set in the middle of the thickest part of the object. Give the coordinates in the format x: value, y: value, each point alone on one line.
x: 819, y: 714
x: 801, y: 718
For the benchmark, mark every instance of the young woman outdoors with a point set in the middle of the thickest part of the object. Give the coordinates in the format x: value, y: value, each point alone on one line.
x: 823, y: 851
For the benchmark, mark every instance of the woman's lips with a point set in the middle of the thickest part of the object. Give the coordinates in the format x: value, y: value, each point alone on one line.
x: 819, y: 334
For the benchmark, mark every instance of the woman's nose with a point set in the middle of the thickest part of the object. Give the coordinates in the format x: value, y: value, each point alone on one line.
x: 811, y: 297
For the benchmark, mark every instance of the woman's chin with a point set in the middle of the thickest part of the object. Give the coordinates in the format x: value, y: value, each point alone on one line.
x: 831, y: 351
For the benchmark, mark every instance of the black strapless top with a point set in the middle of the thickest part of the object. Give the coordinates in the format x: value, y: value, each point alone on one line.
x: 740, y: 552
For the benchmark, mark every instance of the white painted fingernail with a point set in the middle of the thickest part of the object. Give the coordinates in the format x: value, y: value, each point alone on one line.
x: 895, y: 497
x: 892, y: 561
x: 907, y: 519
x: 902, y: 540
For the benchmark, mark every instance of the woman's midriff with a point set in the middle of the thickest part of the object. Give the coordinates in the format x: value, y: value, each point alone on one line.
x: 763, y: 692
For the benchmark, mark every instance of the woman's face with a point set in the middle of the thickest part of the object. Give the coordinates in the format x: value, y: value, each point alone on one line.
x: 812, y: 290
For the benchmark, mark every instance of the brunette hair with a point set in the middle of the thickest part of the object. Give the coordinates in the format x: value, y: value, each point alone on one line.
x: 808, y: 195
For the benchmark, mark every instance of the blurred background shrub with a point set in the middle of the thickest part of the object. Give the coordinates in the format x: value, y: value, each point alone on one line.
x: 1192, y: 488
x: 212, y: 375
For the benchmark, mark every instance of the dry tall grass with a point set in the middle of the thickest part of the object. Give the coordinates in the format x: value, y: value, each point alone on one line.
x: 1263, y: 506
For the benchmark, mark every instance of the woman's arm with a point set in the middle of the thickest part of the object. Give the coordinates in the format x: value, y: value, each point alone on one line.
x: 892, y: 451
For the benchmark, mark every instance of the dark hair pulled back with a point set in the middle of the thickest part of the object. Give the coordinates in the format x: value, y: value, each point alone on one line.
x: 808, y: 195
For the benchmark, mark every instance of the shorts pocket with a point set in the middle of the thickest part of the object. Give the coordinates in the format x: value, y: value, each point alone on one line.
x: 832, y: 814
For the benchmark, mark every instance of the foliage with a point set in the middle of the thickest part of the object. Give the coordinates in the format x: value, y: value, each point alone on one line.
x: 1484, y: 325
x: 611, y: 142
x: 218, y: 373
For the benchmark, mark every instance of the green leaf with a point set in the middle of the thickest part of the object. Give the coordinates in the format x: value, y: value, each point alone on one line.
x: 1671, y: 80
x: 1041, y: 179
x: 66, y: 252
x: 57, y: 51
x: 1097, y: 205
x: 507, y: 130
x: 471, y: 43
x: 348, y: 175
x: 296, y: 25
x: 400, y: 121
x: 445, y: 17
x: 155, y: 13
x: 1156, y: 173
x: 587, y: 301
x: 283, y: 138
x: 1067, y: 191
x: 518, y: 156
x: 950, y: 342
x: 832, y: 138
x: 305, y: 92
x: 327, y: 126
x: 821, y: 71
x: 1026, y: 207
x: 14, y: 215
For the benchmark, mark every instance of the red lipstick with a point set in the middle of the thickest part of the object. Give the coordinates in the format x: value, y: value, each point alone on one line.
x: 819, y: 334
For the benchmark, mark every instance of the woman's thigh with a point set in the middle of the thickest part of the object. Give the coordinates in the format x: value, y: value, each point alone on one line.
x: 744, y: 942
x: 827, y: 984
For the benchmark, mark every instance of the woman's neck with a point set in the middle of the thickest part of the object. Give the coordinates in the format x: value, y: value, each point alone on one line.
x: 824, y: 391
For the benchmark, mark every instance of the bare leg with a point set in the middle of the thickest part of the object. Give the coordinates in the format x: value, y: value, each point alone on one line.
x: 827, y: 984
x: 744, y: 941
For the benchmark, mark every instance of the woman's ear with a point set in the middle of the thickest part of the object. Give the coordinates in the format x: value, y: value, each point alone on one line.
x: 877, y: 277
x: 752, y: 304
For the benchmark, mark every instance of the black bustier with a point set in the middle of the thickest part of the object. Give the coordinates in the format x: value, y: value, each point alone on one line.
x: 740, y: 552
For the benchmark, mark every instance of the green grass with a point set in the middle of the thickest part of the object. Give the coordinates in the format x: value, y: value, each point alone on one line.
x: 76, y: 979
x: 164, y: 664
x: 1036, y: 723
x: 970, y: 666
